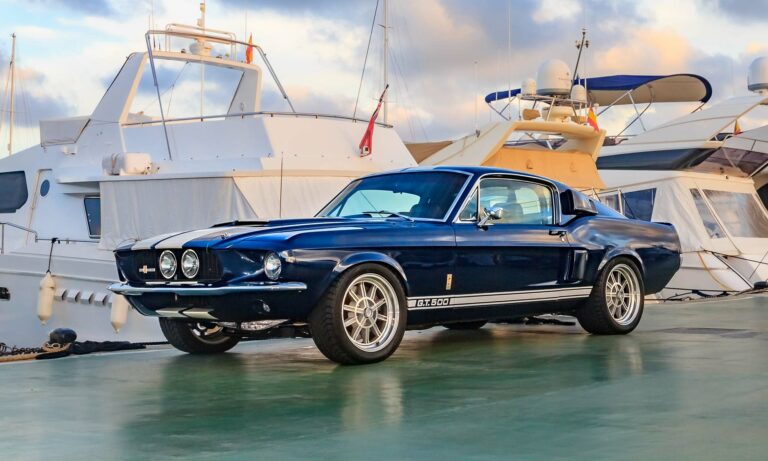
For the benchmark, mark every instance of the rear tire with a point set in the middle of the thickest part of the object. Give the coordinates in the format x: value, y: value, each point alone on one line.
x: 361, y: 318
x: 616, y: 303
x: 196, y: 338
x: 464, y: 326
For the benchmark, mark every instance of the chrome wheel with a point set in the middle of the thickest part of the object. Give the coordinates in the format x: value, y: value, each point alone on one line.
x: 622, y: 294
x: 370, y: 312
x: 210, y: 334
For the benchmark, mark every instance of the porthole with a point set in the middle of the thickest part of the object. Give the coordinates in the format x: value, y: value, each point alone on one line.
x: 44, y: 188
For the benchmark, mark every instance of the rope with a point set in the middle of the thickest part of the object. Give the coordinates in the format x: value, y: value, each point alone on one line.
x: 15, y: 354
x: 365, y: 61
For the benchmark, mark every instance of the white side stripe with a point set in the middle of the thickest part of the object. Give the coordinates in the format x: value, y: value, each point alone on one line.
x: 512, y: 297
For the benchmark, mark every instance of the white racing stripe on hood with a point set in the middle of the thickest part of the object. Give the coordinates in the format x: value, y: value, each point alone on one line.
x: 147, y: 244
x: 179, y: 240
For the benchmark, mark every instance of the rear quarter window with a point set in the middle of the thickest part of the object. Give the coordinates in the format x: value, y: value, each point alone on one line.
x: 13, y: 191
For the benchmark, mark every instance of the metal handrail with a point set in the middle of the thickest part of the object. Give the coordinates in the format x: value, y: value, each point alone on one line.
x: 250, y: 114
x: 37, y: 236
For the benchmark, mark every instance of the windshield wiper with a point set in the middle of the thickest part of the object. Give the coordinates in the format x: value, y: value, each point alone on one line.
x: 391, y: 213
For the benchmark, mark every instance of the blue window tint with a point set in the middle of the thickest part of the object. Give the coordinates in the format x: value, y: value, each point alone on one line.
x: 639, y: 204
x: 45, y: 187
x: 13, y: 191
x: 93, y: 214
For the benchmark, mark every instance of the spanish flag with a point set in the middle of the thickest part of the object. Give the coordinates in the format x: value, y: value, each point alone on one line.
x: 592, y: 119
x: 249, y: 50
x: 736, y: 128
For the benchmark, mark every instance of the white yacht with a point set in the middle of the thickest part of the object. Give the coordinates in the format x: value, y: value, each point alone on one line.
x: 178, y: 141
x: 698, y: 173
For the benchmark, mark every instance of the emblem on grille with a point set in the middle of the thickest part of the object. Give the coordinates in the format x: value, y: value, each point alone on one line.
x: 146, y: 269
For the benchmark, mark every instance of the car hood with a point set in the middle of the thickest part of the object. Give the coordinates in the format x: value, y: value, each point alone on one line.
x: 226, y: 235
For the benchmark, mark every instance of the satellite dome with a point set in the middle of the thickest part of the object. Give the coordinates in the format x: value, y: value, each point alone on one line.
x: 528, y: 87
x: 554, y: 78
x: 579, y: 93
x: 758, y: 75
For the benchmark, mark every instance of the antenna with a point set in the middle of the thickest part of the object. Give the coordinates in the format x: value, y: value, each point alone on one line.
x: 12, y: 70
x: 386, y: 58
x: 509, y: 60
x: 474, y: 94
x: 580, y: 45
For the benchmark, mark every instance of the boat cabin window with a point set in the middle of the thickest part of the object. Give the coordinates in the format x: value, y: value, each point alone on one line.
x: 523, y: 202
x: 13, y: 191
x: 638, y: 204
x: 710, y: 223
x: 187, y: 89
x: 740, y: 213
x: 93, y: 215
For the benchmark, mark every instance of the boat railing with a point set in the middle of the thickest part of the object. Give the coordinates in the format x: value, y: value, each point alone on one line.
x: 254, y: 114
x: 37, y: 236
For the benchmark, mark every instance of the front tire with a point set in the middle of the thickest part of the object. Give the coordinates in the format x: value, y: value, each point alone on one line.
x: 361, y: 318
x: 197, y: 338
x: 616, y: 303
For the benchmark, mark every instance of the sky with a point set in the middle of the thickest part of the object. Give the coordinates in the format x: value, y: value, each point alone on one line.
x: 445, y: 55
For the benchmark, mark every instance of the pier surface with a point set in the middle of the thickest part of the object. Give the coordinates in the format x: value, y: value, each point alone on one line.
x: 690, y: 383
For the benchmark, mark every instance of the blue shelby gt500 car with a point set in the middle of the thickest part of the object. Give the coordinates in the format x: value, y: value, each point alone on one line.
x: 453, y: 246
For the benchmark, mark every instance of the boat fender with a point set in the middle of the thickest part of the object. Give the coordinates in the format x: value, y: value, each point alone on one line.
x: 119, y: 313
x: 45, y: 298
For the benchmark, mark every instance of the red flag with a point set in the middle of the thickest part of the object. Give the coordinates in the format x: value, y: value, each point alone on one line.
x: 249, y: 50
x: 592, y: 119
x: 736, y: 128
x: 366, y: 144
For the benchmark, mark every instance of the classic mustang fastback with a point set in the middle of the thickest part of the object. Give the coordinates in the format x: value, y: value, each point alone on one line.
x: 452, y: 246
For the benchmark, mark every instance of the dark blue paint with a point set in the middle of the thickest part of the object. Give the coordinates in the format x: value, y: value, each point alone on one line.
x: 498, y: 258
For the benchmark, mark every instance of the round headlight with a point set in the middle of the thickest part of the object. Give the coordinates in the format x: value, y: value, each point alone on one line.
x: 272, y: 265
x: 190, y: 264
x: 167, y: 264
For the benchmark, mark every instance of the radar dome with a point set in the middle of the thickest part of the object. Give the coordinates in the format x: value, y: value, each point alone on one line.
x: 758, y: 75
x: 528, y: 87
x: 554, y: 78
x: 579, y: 93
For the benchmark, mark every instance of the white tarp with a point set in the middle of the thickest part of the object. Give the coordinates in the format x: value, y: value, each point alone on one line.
x: 136, y: 210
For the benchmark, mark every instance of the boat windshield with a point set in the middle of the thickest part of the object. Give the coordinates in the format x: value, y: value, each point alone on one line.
x: 741, y: 213
x: 415, y: 195
x: 735, y: 162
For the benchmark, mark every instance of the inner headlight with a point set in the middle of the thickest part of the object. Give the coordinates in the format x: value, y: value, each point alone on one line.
x: 167, y: 264
x: 272, y: 265
x: 190, y: 264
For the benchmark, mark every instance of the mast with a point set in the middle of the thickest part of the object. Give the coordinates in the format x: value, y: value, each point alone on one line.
x: 386, y: 58
x: 12, y: 70
x: 580, y: 45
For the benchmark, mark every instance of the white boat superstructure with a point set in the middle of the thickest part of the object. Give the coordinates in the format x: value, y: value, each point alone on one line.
x: 697, y: 174
x: 178, y: 141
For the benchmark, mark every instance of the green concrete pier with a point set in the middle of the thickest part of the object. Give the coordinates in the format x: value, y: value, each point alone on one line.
x: 690, y: 384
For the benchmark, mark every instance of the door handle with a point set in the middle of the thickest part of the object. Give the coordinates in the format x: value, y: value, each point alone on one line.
x: 558, y: 232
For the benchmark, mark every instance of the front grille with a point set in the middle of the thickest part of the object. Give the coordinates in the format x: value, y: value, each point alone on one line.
x: 145, y: 266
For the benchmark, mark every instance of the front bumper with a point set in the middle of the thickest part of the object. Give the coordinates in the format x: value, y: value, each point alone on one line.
x: 235, y: 303
x: 194, y: 289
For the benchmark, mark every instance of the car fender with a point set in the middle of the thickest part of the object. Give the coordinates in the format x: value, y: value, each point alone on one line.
x: 363, y: 257
x: 628, y: 252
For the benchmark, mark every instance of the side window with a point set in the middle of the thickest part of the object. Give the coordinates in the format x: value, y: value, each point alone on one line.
x: 639, y: 204
x: 710, y: 223
x: 93, y: 215
x: 523, y: 202
x: 469, y: 213
x: 13, y: 191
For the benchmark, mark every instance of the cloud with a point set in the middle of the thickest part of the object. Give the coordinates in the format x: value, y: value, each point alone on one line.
x: 742, y: 10
x: 94, y: 7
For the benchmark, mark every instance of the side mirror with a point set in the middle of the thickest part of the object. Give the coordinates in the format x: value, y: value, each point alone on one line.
x: 493, y: 213
x: 576, y: 203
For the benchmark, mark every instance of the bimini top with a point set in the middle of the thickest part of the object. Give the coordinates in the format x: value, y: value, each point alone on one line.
x: 637, y: 89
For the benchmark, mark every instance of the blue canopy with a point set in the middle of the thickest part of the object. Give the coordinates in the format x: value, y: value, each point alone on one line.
x: 612, y: 89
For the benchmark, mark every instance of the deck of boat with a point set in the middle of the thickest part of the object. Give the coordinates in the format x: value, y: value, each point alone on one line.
x: 691, y: 383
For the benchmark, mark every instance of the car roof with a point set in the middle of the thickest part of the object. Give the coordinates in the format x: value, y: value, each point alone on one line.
x: 471, y: 170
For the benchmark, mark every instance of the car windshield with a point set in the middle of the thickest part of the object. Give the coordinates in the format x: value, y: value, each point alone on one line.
x: 413, y: 195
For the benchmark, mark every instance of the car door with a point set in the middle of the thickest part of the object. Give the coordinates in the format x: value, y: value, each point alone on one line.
x: 523, y: 251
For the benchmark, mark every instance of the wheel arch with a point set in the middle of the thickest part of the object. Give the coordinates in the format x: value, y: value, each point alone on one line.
x: 625, y: 253
x: 371, y: 257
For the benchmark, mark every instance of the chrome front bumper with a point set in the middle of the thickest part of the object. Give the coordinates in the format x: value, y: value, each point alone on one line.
x: 192, y: 289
